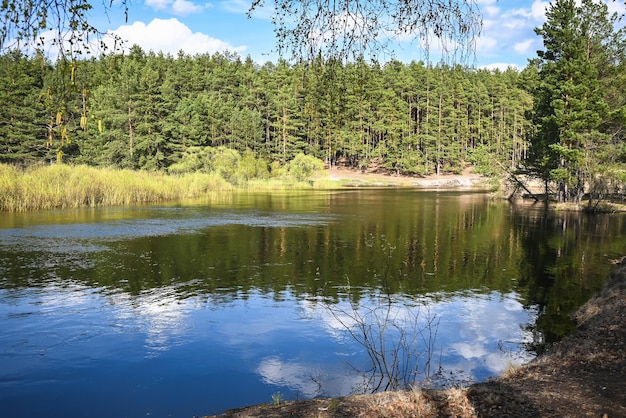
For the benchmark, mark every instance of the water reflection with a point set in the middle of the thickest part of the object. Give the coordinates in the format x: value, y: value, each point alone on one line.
x: 443, y: 339
x: 190, y: 310
x: 160, y: 315
x: 565, y: 258
x: 491, y: 329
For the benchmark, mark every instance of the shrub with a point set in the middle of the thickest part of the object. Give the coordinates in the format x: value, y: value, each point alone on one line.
x: 250, y: 168
x: 303, y: 167
x: 225, y: 162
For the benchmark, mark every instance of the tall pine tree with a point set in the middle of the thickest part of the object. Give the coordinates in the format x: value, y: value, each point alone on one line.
x: 569, y: 102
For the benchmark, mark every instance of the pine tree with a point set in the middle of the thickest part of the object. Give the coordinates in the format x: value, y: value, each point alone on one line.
x: 22, y: 118
x: 569, y: 103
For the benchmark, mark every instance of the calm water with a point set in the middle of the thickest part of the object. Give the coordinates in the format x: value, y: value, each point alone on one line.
x: 183, y: 310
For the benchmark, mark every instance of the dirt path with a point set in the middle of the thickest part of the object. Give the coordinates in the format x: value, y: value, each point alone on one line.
x: 584, y: 375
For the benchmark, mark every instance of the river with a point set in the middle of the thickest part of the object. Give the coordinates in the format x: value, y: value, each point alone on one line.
x: 191, y: 308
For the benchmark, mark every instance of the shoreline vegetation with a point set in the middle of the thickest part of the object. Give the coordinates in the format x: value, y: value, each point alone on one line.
x: 61, y: 186
x: 581, y: 376
x: 65, y: 186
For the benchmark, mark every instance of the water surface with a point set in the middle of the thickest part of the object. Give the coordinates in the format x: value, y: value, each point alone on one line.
x: 191, y: 309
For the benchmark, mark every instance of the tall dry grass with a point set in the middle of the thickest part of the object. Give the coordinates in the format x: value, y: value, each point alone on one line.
x: 64, y: 186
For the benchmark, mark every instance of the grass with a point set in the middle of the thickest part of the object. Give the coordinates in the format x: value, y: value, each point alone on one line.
x: 65, y: 186
x: 415, y: 402
x: 276, y: 183
x: 68, y: 186
x: 277, y: 398
x: 327, y: 183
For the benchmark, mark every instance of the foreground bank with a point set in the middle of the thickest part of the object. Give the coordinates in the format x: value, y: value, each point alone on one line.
x: 581, y: 376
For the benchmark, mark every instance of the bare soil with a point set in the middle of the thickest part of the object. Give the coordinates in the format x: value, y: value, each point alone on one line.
x: 374, y: 177
x: 584, y: 375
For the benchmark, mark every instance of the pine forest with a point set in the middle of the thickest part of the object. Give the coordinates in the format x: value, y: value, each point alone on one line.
x: 560, y: 119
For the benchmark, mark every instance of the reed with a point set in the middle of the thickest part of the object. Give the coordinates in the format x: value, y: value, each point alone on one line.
x: 68, y: 186
x: 64, y: 186
x: 276, y: 183
x: 328, y: 183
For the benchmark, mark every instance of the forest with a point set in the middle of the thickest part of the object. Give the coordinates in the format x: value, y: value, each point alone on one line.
x: 560, y: 119
x: 154, y: 111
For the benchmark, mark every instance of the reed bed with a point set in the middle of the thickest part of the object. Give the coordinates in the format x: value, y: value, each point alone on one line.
x: 65, y: 186
x: 277, y: 184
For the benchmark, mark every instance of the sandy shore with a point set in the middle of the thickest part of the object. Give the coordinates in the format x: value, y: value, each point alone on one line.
x: 355, y: 178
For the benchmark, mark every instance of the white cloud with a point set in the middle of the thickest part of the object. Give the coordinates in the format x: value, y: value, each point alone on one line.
x: 470, y: 350
x: 491, y: 11
x: 184, y: 7
x: 177, y: 7
x: 309, y: 379
x: 470, y: 330
x: 170, y: 36
x: 160, y: 315
x: 537, y: 11
x: 296, y: 376
x: 158, y: 4
x: 486, y: 45
x: 516, y: 24
x: 523, y: 47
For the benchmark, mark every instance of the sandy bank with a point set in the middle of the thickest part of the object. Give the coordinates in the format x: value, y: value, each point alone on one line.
x: 355, y: 178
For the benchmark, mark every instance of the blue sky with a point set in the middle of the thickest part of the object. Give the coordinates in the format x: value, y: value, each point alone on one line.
x: 201, y: 26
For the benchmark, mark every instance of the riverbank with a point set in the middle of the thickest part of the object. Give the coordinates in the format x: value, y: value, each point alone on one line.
x: 581, y: 376
x: 347, y: 177
x: 69, y: 187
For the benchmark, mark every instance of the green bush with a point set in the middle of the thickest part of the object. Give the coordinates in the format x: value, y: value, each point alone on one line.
x: 192, y: 160
x: 251, y: 168
x: 303, y: 167
x: 483, y: 161
x: 225, y: 162
x: 277, y: 170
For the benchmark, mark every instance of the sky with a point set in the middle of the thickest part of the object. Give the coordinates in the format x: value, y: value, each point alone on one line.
x: 200, y: 26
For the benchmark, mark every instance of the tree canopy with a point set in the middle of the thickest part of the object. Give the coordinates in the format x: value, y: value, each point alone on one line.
x: 578, y: 114
x: 152, y: 111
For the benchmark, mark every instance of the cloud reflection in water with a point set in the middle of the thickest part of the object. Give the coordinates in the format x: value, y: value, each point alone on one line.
x: 478, y: 336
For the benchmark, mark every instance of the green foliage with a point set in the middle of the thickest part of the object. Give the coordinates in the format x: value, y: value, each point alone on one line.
x: 574, y: 110
x: 153, y: 111
x: 22, y: 114
x: 483, y: 162
x: 223, y: 162
x: 303, y: 167
x: 159, y: 113
x: 193, y: 159
x: 249, y: 167
x: 277, y: 398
